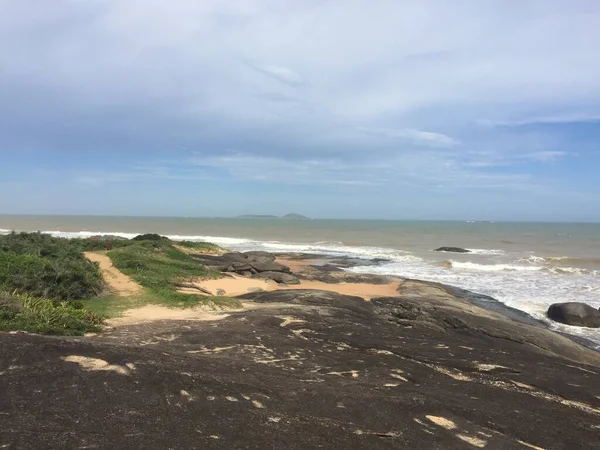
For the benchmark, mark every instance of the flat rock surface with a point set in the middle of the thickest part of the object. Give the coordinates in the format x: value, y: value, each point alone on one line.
x: 302, y: 370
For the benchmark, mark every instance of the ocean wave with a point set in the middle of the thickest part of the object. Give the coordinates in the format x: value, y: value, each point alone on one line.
x: 3, y: 231
x: 485, y: 251
x: 219, y: 240
x: 492, y: 267
x: 559, y: 260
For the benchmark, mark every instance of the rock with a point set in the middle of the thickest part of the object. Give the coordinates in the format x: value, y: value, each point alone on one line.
x: 221, y: 292
x: 575, y: 313
x: 305, y: 369
x: 269, y: 267
x: 239, y: 267
x: 255, y: 289
x: 259, y: 256
x: 234, y: 257
x: 279, y: 277
x: 453, y: 250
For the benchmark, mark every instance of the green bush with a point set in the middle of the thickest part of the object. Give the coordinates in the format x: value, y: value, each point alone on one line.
x: 44, y: 266
x: 40, y: 315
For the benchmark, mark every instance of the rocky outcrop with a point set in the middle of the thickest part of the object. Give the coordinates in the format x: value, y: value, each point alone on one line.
x: 254, y: 263
x: 306, y: 369
x: 452, y: 250
x: 575, y: 313
x: 279, y: 277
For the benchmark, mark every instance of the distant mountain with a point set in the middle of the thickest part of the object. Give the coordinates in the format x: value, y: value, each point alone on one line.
x: 295, y: 216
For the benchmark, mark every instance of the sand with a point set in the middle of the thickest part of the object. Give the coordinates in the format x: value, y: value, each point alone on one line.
x: 120, y: 283
x: 238, y: 285
x: 150, y: 313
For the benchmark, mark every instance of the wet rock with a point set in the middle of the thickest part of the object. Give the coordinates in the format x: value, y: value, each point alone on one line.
x: 452, y: 249
x: 575, y: 313
x: 279, y: 277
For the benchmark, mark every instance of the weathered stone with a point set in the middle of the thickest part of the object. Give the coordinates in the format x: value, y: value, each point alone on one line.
x: 239, y: 267
x: 279, y: 277
x: 269, y: 266
x: 453, y: 250
x: 306, y: 369
x: 259, y: 256
x: 575, y: 313
x: 234, y: 256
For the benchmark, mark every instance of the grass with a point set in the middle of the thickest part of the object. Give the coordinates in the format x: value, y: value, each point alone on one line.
x: 54, y: 289
x: 48, y: 267
x: 23, y: 312
x: 158, y: 265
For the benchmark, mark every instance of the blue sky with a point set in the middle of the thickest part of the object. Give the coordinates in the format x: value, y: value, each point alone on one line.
x: 388, y: 109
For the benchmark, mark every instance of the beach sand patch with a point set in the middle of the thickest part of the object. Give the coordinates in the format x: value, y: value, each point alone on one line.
x: 151, y: 313
x: 235, y: 285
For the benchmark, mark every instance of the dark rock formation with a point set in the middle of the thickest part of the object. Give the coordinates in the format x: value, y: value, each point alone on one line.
x: 247, y: 264
x: 279, y: 277
x: 306, y: 369
x: 268, y: 266
x: 452, y: 249
x: 575, y: 313
x: 259, y: 256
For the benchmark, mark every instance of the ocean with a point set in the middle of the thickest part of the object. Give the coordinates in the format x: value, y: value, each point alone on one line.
x: 526, y: 266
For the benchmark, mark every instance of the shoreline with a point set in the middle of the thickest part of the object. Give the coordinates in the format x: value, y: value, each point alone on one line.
x: 314, y: 272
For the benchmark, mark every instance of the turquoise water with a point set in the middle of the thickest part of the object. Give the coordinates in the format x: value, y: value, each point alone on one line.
x: 527, y: 266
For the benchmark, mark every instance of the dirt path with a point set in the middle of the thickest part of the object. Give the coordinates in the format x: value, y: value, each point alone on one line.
x: 120, y: 283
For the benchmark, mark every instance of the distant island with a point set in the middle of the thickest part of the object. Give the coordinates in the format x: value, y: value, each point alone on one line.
x: 268, y: 216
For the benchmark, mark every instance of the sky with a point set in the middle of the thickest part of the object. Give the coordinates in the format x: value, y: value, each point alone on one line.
x: 458, y: 110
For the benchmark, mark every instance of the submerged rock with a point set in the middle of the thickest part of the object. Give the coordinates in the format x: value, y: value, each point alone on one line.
x: 452, y: 250
x: 575, y: 313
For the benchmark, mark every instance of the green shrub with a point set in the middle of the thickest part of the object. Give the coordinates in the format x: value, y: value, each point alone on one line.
x: 44, y: 266
x: 151, y: 237
x: 40, y: 315
x: 201, y: 247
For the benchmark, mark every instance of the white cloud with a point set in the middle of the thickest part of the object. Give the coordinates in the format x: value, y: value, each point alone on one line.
x: 413, y: 136
x: 544, y: 120
x: 314, y: 92
x: 283, y: 74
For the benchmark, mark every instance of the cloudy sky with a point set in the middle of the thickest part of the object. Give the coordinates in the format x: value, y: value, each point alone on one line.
x: 331, y: 108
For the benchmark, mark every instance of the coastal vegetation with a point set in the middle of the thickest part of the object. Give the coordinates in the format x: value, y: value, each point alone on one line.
x: 162, y: 268
x: 47, y: 285
x: 44, y: 266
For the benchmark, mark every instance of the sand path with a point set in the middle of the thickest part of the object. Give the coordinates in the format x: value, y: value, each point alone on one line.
x: 120, y: 283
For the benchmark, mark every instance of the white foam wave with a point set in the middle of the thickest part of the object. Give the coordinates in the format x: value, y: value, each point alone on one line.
x: 492, y: 267
x: 3, y: 231
x: 486, y: 251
